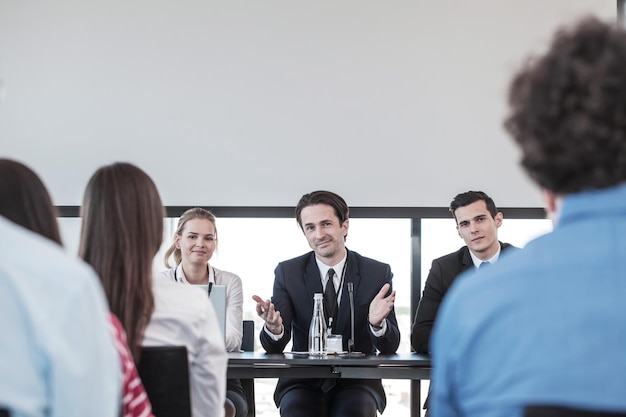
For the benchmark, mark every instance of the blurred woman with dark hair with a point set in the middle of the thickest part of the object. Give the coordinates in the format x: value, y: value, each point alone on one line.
x: 121, y: 234
x: 24, y: 200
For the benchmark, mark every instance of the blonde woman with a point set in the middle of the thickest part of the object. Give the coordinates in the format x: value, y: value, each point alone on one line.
x: 192, y: 247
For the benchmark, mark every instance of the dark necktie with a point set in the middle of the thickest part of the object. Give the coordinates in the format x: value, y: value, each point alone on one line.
x: 330, y: 297
x: 330, y: 307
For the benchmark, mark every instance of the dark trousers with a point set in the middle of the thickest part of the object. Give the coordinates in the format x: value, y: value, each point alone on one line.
x: 340, y: 401
x: 235, y: 393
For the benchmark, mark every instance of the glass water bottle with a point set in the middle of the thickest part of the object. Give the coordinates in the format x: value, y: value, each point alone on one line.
x: 317, y: 330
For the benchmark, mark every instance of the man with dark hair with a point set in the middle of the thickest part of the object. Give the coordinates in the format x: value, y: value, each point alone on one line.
x: 545, y: 330
x: 330, y: 269
x: 477, y: 222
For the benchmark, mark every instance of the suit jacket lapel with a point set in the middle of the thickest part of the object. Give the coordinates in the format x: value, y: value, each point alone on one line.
x: 352, y: 275
x: 467, y: 260
x: 312, y: 280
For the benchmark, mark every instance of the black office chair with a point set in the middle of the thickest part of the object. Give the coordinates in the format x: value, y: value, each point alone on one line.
x: 247, y: 340
x: 164, y: 372
x: 557, y: 411
x: 247, y: 345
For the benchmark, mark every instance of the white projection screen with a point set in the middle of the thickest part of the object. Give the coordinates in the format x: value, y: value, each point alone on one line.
x: 255, y: 102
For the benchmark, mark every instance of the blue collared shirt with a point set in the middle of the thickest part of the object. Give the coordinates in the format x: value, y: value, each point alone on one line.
x: 56, y: 353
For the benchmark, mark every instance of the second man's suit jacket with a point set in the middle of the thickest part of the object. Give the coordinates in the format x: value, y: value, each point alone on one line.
x: 295, y: 283
x: 442, y: 274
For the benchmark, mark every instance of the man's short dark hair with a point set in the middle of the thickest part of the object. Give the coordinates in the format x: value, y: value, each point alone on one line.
x: 568, y: 110
x: 323, y: 197
x: 469, y: 197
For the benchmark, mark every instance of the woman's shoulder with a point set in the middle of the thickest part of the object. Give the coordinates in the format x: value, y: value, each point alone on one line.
x: 226, y: 278
x: 176, y: 297
x: 182, y: 315
x: 169, y: 274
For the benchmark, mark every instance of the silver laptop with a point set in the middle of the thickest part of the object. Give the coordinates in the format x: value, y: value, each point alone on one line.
x: 218, y: 298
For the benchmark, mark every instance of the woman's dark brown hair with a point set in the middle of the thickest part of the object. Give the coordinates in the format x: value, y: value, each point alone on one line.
x: 24, y: 200
x: 121, y: 233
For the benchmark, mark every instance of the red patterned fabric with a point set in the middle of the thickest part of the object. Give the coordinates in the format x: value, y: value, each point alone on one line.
x: 135, y: 402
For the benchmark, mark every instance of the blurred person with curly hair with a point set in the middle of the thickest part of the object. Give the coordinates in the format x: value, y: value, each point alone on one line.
x: 544, y: 330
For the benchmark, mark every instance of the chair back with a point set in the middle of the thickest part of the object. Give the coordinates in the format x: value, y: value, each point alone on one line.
x: 164, y: 372
x: 247, y: 345
x: 557, y: 411
x: 247, y: 340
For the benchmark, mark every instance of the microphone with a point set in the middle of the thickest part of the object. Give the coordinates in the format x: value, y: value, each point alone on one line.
x: 210, y: 288
x: 351, y: 352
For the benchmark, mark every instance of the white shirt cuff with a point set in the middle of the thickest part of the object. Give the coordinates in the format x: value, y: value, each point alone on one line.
x: 381, y: 332
x: 274, y: 337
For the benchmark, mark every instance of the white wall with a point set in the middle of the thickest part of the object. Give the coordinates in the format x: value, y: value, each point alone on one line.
x: 235, y: 102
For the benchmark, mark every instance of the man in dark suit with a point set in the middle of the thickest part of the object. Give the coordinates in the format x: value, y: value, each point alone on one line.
x: 477, y: 221
x: 323, y: 217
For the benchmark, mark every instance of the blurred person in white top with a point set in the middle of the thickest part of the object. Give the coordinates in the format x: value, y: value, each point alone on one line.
x: 56, y: 355
x: 121, y: 233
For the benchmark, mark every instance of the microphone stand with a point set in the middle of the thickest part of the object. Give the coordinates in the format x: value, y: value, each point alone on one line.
x: 351, y: 352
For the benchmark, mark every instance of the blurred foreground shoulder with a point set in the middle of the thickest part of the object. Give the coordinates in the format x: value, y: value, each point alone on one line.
x: 59, y: 315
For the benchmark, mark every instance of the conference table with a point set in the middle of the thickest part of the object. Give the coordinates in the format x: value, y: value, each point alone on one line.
x: 411, y: 366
